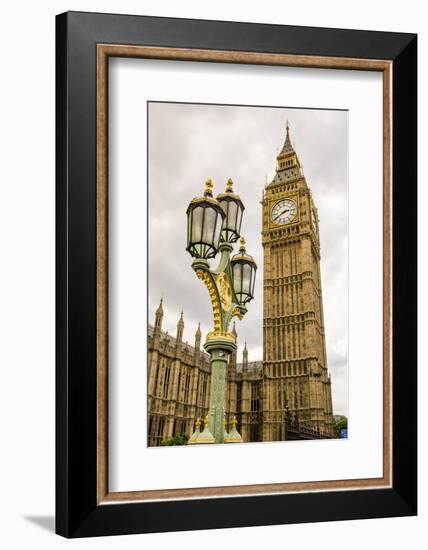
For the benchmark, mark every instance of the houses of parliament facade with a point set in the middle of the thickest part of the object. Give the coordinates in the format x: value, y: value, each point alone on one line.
x: 287, y: 395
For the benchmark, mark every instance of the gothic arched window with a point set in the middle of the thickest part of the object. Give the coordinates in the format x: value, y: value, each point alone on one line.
x: 166, y: 381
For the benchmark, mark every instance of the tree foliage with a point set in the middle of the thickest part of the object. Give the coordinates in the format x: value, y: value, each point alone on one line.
x: 177, y: 440
x: 340, y: 424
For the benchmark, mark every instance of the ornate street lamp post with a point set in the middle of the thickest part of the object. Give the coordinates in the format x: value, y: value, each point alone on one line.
x: 213, y: 225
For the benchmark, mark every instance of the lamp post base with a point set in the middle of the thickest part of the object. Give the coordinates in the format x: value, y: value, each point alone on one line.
x: 219, y: 347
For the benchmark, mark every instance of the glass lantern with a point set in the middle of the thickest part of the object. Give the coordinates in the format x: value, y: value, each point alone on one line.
x: 233, y: 209
x: 204, y: 223
x: 244, y: 275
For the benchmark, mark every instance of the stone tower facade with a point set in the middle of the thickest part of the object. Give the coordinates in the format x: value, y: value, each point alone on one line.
x: 295, y: 369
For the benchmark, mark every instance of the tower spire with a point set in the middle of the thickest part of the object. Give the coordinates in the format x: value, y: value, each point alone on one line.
x: 198, y: 339
x: 159, y: 316
x: 287, y: 148
x: 180, y: 328
x: 232, y: 358
x: 287, y: 162
x: 245, y: 356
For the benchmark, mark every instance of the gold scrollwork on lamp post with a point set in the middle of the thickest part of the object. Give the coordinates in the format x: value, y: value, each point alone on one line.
x: 225, y: 290
x: 212, y: 291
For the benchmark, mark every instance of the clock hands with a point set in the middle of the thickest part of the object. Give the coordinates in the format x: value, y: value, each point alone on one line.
x: 281, y: 213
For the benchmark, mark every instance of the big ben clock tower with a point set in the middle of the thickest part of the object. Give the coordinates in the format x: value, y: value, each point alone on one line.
x: 296, y: 380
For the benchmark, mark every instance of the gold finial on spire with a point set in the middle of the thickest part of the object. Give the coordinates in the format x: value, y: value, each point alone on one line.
x: 234, y: 422
x: 229, y: 186
x: 198, y: 423
x: 242, y: 244
x: 208, y: 188
x: 206, y: 422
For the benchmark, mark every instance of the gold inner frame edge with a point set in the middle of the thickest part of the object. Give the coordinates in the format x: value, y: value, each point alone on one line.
x: 104, y: 52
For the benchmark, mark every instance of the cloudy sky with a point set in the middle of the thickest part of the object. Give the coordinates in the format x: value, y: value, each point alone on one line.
x: 190, y: 143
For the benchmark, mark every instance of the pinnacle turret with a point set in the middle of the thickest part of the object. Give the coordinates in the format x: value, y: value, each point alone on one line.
x: 245, y: 356
x: 180, y: 328
x: 159, y: 317
x: 198, y: 339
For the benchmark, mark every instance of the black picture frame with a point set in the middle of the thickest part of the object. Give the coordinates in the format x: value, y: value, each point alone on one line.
x: 77, y: 511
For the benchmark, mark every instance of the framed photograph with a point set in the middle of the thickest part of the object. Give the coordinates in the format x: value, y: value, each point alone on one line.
x: 236, y: 274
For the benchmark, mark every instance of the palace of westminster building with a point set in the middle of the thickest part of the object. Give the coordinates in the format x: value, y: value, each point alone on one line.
x: 288, y: 394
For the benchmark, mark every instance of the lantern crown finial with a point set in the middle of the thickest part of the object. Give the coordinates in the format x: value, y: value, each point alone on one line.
x: 229, y: 186
x: 242, y: 244
x: 208, y: 188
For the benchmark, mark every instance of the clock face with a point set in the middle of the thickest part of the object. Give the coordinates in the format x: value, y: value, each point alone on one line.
x: 284, y: 211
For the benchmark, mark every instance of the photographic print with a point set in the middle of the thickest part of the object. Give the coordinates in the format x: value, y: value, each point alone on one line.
x: 247, y: 274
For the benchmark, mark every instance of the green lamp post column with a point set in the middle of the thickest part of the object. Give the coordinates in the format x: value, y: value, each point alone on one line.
x: 219, y: 351
x: 213, y: 225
